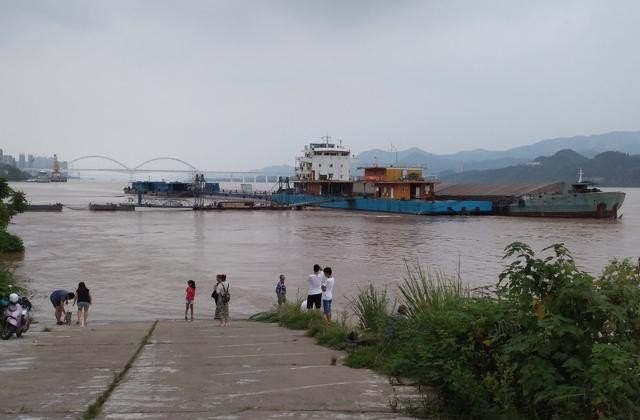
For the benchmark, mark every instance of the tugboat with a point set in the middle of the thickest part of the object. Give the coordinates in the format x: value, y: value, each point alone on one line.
x: 581, y: 200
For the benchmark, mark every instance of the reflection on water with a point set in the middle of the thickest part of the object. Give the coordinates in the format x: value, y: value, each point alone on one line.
x: 137, y: 263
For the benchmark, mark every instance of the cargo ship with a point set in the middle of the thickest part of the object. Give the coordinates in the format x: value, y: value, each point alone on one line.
x: 323, y: 179
x: 581, y: 200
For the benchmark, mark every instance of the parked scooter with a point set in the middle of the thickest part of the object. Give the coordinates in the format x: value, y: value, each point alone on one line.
x: 17, y: 316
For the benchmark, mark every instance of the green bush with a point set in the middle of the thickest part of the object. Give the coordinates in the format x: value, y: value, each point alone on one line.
x: 6, y: 280
x: 555, y: 343
x: 572, y: 329
x: 10, y: 243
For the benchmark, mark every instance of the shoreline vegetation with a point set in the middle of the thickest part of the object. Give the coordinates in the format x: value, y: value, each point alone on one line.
x: 11, y: 203
x: 549, y: 341
x: 11, y: 173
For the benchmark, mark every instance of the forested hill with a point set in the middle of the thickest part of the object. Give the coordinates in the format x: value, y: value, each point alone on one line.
x: 608, y: 169
x: 11, y: 173
x: 480, y: 159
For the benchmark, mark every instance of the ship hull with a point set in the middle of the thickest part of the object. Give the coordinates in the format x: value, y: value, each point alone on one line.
x: 420, y: 207
x: 599, y: 205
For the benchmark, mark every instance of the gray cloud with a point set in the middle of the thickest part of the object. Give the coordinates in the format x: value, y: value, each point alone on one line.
x: 243, y: 84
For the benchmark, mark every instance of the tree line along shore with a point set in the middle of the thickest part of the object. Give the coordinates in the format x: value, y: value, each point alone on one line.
x: 11, y: 203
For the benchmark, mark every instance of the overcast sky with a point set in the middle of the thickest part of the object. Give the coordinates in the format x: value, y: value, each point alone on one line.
x: 245, y: 84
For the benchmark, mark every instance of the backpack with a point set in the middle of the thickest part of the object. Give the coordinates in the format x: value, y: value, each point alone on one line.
x: 226, y: 296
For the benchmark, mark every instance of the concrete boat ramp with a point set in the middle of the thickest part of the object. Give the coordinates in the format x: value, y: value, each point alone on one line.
x: 184, y: 370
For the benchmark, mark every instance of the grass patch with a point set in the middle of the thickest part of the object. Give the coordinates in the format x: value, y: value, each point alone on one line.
x: 332, y: 335
x: 425, y: 290
x: 371, y: 308
x: 288, y: 315
x: 363, y: 357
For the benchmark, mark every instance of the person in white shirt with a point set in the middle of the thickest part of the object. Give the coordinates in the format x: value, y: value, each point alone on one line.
x: 327, y: 292
x: 314, y: 296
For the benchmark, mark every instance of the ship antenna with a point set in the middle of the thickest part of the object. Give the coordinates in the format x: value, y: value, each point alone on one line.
x: 580, y: 173
x: 394, y: 149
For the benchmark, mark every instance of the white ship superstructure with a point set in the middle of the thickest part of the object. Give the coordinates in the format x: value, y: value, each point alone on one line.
x: 325, y: 161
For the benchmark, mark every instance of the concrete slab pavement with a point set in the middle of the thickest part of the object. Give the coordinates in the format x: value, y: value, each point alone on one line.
x: 246, y: 371
x: 187, y: 370
x: 57, y: 374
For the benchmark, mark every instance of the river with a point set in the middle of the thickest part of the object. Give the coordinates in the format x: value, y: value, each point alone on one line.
x: 137, y: 263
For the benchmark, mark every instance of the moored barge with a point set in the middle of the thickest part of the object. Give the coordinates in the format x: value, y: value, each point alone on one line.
x: 323, y: 180
x: 581, y: 200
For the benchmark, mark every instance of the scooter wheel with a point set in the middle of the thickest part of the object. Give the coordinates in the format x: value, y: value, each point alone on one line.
x: 6, y: 333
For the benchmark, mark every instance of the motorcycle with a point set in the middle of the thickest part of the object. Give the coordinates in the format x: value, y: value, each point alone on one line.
x: 17, y: 317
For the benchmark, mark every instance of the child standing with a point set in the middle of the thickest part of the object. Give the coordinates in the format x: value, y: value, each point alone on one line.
x: 281, y: 291
x: 191, y: 295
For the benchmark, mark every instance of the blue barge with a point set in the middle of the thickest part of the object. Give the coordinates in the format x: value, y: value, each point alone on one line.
x: 420, y: 207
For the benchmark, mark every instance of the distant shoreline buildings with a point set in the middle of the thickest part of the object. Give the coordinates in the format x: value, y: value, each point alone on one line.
x: 28, y: 162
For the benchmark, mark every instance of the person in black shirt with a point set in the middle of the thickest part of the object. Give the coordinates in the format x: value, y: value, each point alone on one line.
x: 83, y: 299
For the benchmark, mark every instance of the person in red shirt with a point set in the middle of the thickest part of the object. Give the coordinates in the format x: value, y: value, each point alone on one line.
x: 191, y: 295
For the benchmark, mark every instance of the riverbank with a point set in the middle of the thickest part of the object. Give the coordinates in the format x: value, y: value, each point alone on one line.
x: 549, y: 341
x: 184, y: 370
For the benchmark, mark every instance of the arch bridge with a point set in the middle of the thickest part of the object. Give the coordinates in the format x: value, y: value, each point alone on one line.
x: 127, y: 169
x: 190, y: 169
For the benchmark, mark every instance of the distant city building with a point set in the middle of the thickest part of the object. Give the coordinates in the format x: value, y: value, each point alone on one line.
x: 9, y: 160
x: 29, y: 161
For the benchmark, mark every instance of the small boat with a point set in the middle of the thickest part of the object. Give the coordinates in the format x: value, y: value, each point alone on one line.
x: 582, y: 200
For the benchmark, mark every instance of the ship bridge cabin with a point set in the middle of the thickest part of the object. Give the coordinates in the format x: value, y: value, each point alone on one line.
x: 397, y: 183
x: 323, y: 169
x: 325, y: 161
